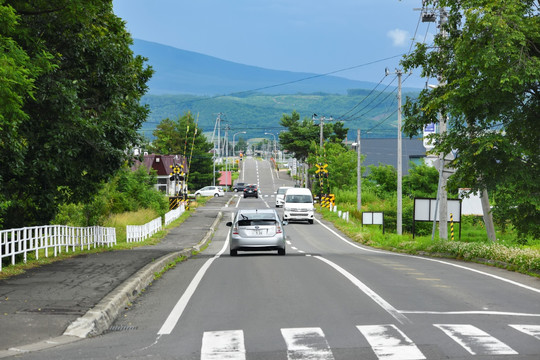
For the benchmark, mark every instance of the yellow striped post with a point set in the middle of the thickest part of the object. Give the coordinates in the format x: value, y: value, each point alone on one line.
x: 452, y: 226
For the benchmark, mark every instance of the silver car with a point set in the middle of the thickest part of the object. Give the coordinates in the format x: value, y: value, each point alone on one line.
x: 257, y: 230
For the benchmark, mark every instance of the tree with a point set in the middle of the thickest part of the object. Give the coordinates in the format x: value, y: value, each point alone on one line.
x: 183, y: 136
x: 421, y: 181
x: 342, y: 165
x: 489, y: 66
x: 385, y: 177
x: 301, y: 134
x: 83, y: 112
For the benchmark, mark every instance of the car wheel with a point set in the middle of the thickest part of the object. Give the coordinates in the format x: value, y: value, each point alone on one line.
x: 310, y: 221
x: 216, y: 195
x: 281, y: 251
x: 234, y: 252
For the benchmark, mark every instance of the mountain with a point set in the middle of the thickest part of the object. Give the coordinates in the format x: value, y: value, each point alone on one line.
x: 254, y: 99
x: 185, y: 72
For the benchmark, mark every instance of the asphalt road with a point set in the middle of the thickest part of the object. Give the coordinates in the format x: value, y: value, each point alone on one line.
x: 329, y: 298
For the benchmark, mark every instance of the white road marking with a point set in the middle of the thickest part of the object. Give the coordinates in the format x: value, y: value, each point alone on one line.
x: 429, y: 259
x: 218, y: 345
x: 366, y: 290
x: 533, y: 330
x: 483, y: 312
x: 475, y: 341
x: 390, y: 343
x: 180, y: 306
x: 306, y: 343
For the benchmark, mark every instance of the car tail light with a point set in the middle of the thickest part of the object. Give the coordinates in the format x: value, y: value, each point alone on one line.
x: 278, y: 228
x: 235, y: 229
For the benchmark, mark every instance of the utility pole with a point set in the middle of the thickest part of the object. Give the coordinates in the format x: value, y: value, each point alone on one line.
x: 322, y: 119
x: 399, y: 221
x: 358, y: 173
x: 399, y: 212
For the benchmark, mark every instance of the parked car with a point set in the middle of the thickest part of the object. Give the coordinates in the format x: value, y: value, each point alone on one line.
x: 210, y: 191
x: 251, y: 191
x: 298, y: 205
x: 280, y: 195
x: 257, y: 230
x: 239, y: 187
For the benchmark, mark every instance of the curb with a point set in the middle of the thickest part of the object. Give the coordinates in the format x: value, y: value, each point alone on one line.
x: 103, y: 314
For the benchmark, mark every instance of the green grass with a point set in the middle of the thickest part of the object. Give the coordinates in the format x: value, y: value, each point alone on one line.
x: 507, y: 252
x: 119, y: 222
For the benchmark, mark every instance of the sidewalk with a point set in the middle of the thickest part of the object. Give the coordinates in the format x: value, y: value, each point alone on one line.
x: 79, y: 297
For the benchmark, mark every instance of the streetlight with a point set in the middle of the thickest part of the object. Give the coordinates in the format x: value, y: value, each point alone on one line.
x: 240, y: 132
x: 274, y: 142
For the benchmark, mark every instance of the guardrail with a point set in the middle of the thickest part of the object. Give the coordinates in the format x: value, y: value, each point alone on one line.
x: 55, y: 238
x: 174, y: 214
x: 135, y: 233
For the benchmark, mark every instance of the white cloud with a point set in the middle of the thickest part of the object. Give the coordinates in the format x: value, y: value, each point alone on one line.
x: 399, y: 37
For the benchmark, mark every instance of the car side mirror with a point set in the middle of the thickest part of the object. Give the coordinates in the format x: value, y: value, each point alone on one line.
x: 229, y: 223
x: 285, y: 222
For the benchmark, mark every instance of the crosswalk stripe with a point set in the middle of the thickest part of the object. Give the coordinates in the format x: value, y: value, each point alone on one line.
x: 533, y: 330
x: 389, y: 343
x: 223, y: 345
x: 475, y: 341
x: 306, y: 343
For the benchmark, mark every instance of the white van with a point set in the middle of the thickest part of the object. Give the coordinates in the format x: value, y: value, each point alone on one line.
x: 298, y: 205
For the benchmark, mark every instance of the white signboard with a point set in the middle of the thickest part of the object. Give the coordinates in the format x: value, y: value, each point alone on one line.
x: 471, y: 205
x: 424, y: 210
x: 372, y: 218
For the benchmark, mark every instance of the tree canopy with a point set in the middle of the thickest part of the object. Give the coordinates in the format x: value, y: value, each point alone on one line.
x: 301, y: 134
x: 487, y: 58
x: 183, y: 137
x: 70, y: 88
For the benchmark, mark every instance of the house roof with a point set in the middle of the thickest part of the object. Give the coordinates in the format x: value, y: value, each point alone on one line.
x: 161, y: 163
x: 385, y: 151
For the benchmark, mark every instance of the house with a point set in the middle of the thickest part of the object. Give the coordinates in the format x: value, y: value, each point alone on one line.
x: 384, y: 151
x: 163, y: 165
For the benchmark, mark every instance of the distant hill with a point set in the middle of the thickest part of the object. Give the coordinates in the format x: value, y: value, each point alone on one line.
x: 186, y: 72
x: 253, y: 98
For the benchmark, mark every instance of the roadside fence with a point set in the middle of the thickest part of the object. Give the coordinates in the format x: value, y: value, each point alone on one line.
x: 174, y: 214
x: 52, y: 238
x: 136, y: 233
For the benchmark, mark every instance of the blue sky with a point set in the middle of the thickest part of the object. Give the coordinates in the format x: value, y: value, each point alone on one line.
x: 313, y: 36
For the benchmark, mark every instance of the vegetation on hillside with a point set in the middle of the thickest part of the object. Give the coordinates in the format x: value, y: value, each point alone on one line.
x: 258, y: 113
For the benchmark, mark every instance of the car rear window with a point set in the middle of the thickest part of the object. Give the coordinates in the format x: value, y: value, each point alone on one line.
x: 253, y: 222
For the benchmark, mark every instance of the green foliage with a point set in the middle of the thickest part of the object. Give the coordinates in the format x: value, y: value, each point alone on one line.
x: 385, y: 177
x: 301, y: 135
x: 82, y: 113
x: 183, y: 136
x: 489, y: 63
x: 421, y: 181
x: 128, y: 191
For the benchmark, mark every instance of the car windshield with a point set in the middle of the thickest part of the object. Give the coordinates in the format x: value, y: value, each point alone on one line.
x: 282, y: 190
x: 296, y: 199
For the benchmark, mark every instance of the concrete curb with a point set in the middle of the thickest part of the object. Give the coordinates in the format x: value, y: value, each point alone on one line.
x: 100, y: 317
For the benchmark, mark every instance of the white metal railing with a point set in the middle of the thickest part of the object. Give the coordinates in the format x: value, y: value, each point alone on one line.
x: 141, y: 232
x: 55, y: 238
x: 174, y: 214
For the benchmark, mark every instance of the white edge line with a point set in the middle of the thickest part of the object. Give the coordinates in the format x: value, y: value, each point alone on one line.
x: 180, y: 306
x: 366, y: 290
x: 433, y: 260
